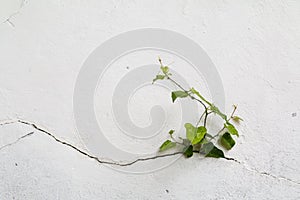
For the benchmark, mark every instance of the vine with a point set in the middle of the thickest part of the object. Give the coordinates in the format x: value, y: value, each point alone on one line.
x: 198, y: 139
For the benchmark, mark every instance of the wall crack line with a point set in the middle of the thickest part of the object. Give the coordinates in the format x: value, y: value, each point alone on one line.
x: 263, y: 173
x: 16, y: 141
x: 123, y: 164
x: 101, y: 161
x: 8, y: 20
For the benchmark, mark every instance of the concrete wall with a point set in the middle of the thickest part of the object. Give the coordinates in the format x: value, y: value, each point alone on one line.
x: 254, y: 45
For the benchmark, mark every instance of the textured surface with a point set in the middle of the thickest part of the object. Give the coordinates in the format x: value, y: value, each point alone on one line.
x: 255, y: 46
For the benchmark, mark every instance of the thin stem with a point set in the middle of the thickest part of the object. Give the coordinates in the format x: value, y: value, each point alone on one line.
x: 205, y: 118
x: 231, y: 116
x: 234, y: 109
x: 174, y: 140
x: 192, y: 97
x: 200, y: 119
x: 220, y: 131
x: 187, y: 92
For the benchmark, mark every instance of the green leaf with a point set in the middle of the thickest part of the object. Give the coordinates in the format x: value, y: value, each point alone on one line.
x: 237, y: 119
x: 201, y: 131
x: 158, y: 77
x: 218, y: 112
x: 178, y: 94
x: 231, y: 129
x: 164, y: 69
x: 227, y: 141
x: 167, y: 145
x: 171, y: 132
x: 191, y: 131
x: 188, y: 152
x: 210, y: 150
x: 204, y: 141
x: 193, y: 134
x: 194, y: 91
x: 215, y: 153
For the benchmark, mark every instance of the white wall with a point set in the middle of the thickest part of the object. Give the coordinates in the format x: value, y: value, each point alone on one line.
x: 255, y: 46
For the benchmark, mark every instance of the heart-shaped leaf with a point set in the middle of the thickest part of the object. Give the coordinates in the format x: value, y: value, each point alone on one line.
x: 201, y: 131
x: 191, y: 131
x: 227, y: 141
x: 178, y: 94
x: 167, y: 145
x: 158, y: 77
x: 231, y: 129
x: 188, y: 152
x: 210, y: 150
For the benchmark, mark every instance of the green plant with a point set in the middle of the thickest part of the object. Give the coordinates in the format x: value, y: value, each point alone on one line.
x: 198, y: 139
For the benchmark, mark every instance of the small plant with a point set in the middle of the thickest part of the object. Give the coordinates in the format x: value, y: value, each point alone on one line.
x: 198, y: 139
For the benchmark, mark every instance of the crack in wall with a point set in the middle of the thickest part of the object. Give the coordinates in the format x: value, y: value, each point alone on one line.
x: 8, y: 20
x: 123, y: 164
x: 16, y: 141
x: 101, y: 161
x: 263, y: 173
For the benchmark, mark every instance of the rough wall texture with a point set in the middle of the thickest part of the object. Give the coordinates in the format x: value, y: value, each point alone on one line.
x: 255, y: 46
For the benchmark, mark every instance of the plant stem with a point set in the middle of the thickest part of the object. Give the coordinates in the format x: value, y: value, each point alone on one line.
x: 191, y: 96
x: 200, y: 119
x: 205, y: 118
x: 231, y: 116
x: 187, y: 92
x: 234, y: 109
x: 181, y: 143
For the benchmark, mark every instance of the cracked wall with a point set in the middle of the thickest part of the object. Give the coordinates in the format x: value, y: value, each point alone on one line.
x: 254, y: 45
